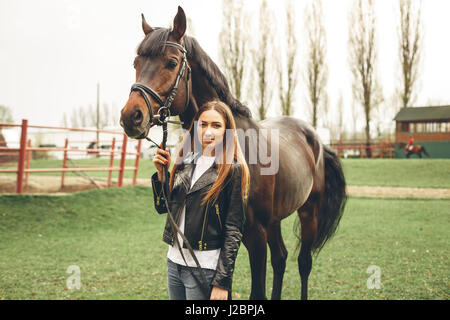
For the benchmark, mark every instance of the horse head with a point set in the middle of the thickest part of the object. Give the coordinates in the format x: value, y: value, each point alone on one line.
x: 162, y: 78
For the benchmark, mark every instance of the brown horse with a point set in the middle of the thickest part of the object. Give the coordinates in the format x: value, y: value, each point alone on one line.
x: 308, y: 179
x: 415, y: 149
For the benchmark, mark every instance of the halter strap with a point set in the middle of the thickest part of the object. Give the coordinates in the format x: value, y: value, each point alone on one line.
x: 165, y: 104
x: 177, y: 45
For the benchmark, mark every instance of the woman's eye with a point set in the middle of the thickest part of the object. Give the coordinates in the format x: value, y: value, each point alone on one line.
x: 171, y: 64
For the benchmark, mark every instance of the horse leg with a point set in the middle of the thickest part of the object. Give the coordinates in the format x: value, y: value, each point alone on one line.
x: 308, y: 219
x: 255, y: 240
x: 278, y: 255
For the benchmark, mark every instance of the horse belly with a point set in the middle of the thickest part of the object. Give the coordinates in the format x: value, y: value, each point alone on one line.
x: 295, y: 177
x: 293, y: 185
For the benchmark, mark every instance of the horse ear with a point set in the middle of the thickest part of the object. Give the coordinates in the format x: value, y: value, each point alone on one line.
x: 179, y: 24
x: 145, y: 26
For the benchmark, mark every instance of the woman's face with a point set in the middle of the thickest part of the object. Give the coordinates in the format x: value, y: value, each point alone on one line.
x: 210, y: 130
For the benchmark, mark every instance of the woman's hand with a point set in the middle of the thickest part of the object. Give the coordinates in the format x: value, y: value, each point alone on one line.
x: 219, y: 294
x: 161, y: 158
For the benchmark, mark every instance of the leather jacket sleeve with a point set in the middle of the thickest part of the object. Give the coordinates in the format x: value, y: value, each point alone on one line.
x: 158, y: 198
x: 233, y: 229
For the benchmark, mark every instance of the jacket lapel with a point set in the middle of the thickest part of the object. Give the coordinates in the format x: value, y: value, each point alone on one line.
x: 207, y: 178
x: 187, y: 170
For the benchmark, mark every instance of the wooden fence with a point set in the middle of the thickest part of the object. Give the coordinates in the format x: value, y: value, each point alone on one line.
x: 25, y: 149
x: 359, y: 149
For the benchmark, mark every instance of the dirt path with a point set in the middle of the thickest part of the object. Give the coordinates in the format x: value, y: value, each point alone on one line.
x: 52, y: 184
x: 397, y: 192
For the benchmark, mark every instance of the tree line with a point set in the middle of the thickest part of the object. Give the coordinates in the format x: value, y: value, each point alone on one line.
x: 271, y: 74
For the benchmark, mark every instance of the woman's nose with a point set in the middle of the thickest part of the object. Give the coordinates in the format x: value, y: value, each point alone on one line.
x: 208, y: 132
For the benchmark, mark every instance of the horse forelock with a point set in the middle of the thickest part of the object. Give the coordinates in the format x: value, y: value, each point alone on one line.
x: 154, y: 43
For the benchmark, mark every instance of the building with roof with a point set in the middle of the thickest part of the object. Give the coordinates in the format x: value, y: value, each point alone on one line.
x: 429, y: 126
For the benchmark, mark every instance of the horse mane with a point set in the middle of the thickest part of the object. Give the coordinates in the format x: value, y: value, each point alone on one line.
x: 154, y: 45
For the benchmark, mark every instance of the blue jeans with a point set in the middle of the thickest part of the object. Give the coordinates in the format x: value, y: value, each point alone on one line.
x: 182, y: 285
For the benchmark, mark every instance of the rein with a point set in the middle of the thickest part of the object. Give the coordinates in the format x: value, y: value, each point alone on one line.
x: 163, y: 118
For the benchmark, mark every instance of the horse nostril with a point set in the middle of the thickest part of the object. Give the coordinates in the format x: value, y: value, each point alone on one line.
x: 137, y: 117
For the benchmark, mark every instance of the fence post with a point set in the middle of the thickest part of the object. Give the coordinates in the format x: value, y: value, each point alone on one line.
x: 122, y: 159
x: 111, y: 160
x: 390, y: 147
x: 64, y: 164
x: 339, y: 149
x: 136, y: 162
x: 360, y: 150
x: 22, y: 153
x: 28, y: 162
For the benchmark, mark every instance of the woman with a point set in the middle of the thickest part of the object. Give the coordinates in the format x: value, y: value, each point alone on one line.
x: 208, y: 195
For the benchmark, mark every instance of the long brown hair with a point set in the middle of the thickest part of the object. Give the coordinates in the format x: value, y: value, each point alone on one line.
x: 229, y: 150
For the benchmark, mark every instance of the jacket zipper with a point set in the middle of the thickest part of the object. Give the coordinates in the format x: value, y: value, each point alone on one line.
x: 201, y: 245
x: 157, y: 195
x: 218, y: 215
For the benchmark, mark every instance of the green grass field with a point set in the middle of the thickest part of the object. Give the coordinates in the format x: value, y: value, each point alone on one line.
x: 425, y: 173
x: 114, y: 237
x: 432, y: 173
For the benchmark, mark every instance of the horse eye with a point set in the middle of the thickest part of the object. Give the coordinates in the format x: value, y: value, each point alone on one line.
x: 171, y: 64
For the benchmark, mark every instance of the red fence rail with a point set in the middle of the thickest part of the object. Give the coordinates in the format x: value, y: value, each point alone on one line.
x: 25, y: 149
x: 379, y: 149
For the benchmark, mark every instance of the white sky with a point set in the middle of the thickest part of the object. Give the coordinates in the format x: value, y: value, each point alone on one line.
x: 53, y: 52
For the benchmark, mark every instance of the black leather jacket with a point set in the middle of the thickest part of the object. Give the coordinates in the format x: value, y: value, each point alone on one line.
x: 220, y: 225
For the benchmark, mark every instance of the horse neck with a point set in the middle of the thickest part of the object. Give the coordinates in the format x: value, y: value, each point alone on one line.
x: 203, y: 91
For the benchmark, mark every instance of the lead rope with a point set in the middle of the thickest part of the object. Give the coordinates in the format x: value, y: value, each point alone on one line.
x: 175, y: 229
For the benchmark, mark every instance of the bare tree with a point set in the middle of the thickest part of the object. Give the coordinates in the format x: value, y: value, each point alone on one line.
x: 64, y: 121
x: 316, y: 68
x: 262, y: 57
x: 340, y: 116
x: 5, y: 114
x: 5, y: 117
x: 410, y: 43
x: 354, y: 119
x: 74, y: 120
x: 288, y: 74
x: 87, y: 117
x: 363, y: 59
x: 232, y: 50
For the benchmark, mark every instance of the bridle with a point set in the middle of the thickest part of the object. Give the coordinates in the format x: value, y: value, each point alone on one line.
x: 163, y: 118
x: 164, y: 109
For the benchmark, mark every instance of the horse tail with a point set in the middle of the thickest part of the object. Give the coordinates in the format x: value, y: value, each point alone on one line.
x: 333, y: 201
x: 425, y: 151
